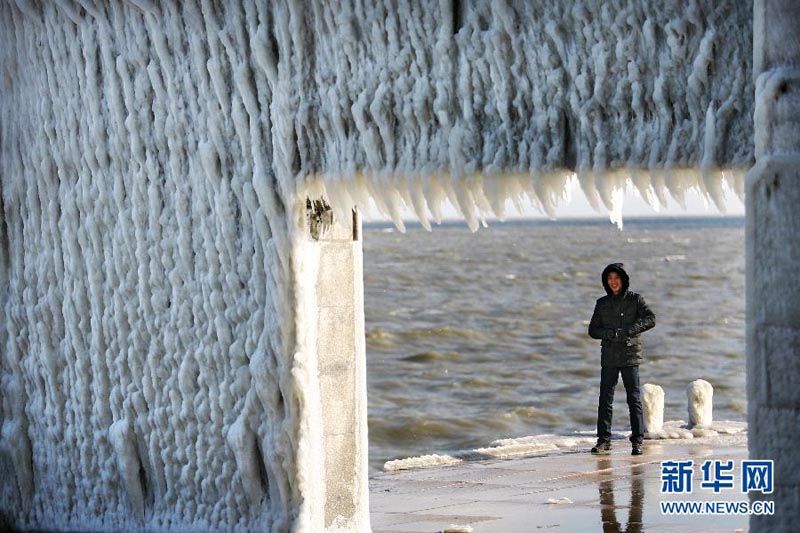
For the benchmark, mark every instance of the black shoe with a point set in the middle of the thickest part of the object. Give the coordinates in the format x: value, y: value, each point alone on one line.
x: 602, y: 446
x: 636, y: 449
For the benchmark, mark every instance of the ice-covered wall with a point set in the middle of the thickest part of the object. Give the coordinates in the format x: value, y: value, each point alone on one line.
x: 158, y: 346
x: 149, y: 375
x: 772, y: 251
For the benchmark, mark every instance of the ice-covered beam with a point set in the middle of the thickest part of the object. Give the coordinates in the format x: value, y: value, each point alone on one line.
x: 772, y: 249
x: 478, y: 102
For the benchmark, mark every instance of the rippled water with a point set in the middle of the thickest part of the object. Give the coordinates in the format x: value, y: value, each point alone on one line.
x: 477, y: 336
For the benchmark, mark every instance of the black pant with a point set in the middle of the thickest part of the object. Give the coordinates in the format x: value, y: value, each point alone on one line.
x: 608, y: 380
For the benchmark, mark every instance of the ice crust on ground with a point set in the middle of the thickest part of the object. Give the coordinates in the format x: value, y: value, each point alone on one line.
x: 158, y: 363
x: 455, y: 528
x: 559, y: 501
x: 523, y: 446
x: 680, y: 429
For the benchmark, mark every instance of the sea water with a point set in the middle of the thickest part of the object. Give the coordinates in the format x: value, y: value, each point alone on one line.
x: 473, y: 337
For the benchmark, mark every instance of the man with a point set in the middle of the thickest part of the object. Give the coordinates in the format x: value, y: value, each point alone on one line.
x: 619, y: 318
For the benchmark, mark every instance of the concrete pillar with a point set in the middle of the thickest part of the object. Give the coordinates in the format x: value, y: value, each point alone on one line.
x: 342, y: 367
x: 773, y: 260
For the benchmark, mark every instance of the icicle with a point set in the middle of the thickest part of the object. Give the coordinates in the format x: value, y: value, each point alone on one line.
x: 419, y: 203
x: 587, y: 183
x: 497, y: 190
x: 645, y: 187
x: 711, y: 178
x: 735, y: 180
x: 465, y: 203
x: 434, y: 195
x: 678, y: 181
x: 475, y: 185
x: 657, y: 178
x: 615, y: 213
x: 605, y: 188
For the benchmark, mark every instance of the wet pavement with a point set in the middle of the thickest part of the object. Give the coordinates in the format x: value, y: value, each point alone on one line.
x: 571, y: 490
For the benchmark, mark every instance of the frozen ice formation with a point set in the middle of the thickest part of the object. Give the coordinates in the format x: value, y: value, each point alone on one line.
x: 456, y: 528
x: 700, y: 395
x: 653, y: 407
x: 481, y: 102
x: 158, y: 364
x: 680, y: 429
x: 550, y: 443
x: 559, y: 501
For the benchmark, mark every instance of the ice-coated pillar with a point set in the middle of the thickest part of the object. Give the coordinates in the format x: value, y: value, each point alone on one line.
x: 700, y: 398
x: 773, y: 254
x: 653, y: 408
x: 342, y: 367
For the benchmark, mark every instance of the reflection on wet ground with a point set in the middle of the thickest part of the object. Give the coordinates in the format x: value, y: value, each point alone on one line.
x: 570, y: 491
x: 608, y: 510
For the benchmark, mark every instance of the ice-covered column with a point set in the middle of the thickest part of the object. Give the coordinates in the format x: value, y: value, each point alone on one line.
x: 653, y: 407
x: 700, y: 397
x: 773, y: 253
x: 342, y: 367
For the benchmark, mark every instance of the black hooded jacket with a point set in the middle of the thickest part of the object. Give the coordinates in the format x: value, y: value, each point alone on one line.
x: 618, y: 320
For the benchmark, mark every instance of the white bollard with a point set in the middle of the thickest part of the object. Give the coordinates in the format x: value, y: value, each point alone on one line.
x: 700, y: 394
x: 653, y: 408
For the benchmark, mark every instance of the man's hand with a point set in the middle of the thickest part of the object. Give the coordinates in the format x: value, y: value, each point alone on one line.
x: 615, y: 335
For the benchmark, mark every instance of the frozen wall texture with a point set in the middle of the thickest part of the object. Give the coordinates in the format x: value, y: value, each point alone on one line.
x: 772, y: 248
x: 159, y: 365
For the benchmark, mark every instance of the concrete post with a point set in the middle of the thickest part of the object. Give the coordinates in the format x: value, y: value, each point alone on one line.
x: 342, y: 368
x: 773, y: 257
